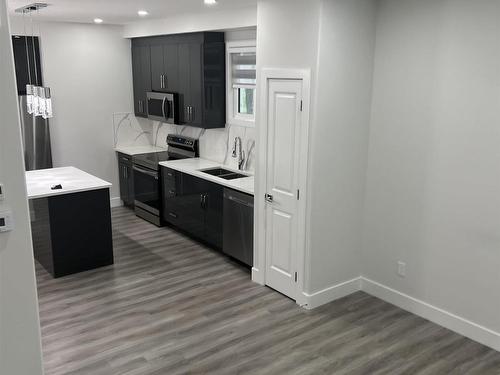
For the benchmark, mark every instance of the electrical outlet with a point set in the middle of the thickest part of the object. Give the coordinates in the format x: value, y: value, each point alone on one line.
x: 402, y: 269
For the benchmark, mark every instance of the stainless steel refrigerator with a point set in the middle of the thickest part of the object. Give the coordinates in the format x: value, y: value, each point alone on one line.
x: 36, y: 139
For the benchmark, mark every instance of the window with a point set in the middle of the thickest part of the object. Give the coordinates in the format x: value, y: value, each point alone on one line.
x: 241, y: 63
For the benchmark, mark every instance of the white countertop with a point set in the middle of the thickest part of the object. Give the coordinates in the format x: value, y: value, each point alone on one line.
x: 192, y: 166
x: 73, y: 180
x: 136, y: 150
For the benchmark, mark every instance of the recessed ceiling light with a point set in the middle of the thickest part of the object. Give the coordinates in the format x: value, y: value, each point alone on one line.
x: 98, y: 20
x: 210, y: 2
x: 142, y: 13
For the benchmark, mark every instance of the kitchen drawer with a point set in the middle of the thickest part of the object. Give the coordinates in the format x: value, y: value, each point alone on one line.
x: 169, y: 174
x: 122, y: 158
x: 171, y: 217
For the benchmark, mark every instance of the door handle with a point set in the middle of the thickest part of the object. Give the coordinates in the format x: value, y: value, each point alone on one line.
x: 269, y: 198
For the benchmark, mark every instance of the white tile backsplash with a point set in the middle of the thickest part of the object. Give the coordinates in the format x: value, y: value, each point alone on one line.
x: 215, y: 144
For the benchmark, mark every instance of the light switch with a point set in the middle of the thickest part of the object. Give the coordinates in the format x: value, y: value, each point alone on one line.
x: 6, y: 224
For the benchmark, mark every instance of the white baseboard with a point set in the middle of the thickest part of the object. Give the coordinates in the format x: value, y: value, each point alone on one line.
x: 257, y: 276
x: 332, y: 293
x: 116, y: 202
x: 436, y: 315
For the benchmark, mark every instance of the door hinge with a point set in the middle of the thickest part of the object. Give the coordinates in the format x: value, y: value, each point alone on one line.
x: 301, y: 105
x: 298, y: 194
x: 296, y: 277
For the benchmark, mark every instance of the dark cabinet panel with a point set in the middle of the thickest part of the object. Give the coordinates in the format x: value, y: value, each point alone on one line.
x: 184, y: 91
x: 157, y: 67
x: 193, y: 205
x: 141, y: 69
x: 214, y: 73
x: 22, y: 48
x: 192, y: 65
x: 195, y: 86
x: 213, y: 214
x: 126, y: 178
x: 171, y: 67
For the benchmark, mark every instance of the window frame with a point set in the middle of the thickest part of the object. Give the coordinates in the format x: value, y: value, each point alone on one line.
x: 233, y: 117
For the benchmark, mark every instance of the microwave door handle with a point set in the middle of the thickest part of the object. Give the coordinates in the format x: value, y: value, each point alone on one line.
x: 163, y: 107
x: 166, y: 108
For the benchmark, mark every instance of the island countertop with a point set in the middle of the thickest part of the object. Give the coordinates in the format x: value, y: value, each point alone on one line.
x: 72, y: 180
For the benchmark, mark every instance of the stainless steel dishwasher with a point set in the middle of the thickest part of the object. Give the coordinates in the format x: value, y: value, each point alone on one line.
x: 238, y: 226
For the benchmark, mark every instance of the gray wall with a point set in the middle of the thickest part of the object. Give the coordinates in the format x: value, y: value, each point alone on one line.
x: 339, y: 140
x: 88, y: 68
x: 433, y: 188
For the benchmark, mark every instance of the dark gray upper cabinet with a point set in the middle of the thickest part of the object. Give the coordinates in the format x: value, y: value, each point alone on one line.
x: 192, y: 65
x: 141, y: 69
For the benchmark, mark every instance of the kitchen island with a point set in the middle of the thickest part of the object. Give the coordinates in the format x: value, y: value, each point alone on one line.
x: 70, y: 220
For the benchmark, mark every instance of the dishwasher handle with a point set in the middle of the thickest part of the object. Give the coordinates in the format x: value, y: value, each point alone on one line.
x: 238, y: 200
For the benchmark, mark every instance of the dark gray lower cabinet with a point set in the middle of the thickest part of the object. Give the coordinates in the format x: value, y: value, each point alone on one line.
x: 126, y: 171
x: 193, y: 205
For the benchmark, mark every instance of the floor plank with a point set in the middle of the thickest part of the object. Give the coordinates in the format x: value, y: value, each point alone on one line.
x: 170, y: 305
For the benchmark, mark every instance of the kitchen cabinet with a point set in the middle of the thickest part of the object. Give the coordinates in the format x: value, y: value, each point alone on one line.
x: 164, y: 66
x: 192, y: 65
x: 190, y: 78
x: 141, y: 71
x: 193, y: 205
x: 126, y: 178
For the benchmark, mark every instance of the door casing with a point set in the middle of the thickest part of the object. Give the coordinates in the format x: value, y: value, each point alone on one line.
x: 259, y: 267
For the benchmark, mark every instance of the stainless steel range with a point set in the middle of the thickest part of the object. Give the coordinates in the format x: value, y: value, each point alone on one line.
x: 147, y: 185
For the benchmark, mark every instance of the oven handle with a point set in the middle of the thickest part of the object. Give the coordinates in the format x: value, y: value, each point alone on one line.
x: 145, y: 171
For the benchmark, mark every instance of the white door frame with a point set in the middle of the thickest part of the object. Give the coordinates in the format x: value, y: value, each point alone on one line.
x: 259, y: 267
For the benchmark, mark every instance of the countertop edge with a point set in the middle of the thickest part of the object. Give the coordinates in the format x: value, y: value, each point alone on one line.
x: 207, y: 177
x: 67, y: 192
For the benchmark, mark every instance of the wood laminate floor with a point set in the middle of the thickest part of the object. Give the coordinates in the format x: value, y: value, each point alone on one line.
x: 172, y: 306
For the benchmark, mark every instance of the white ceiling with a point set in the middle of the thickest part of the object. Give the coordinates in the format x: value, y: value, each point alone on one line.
x: 121, y: 11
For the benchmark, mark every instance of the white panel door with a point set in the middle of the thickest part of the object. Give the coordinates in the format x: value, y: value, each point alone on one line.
x: 283, y: 152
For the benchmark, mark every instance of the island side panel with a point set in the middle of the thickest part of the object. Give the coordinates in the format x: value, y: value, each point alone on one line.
x: 81, y: 231
x: 41, y: 233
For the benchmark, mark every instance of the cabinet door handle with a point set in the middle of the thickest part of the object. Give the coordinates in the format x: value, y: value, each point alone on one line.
x: 171, y: 192
x: 165, y: 81
x: 172, y: 215
x: 161, y: 81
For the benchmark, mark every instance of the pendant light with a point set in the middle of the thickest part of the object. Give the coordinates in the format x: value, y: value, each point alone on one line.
x: 38, y: 98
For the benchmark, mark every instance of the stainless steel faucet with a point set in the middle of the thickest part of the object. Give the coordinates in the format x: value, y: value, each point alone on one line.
x: 238, y: 152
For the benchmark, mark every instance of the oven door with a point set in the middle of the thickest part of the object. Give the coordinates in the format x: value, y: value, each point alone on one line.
x: 161, y: 107
x: 147, y: 190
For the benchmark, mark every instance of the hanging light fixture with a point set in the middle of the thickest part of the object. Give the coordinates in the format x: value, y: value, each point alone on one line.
x: 38, y: 98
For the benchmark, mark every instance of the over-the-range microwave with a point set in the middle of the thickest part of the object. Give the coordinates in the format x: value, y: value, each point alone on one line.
x: 163, y: 107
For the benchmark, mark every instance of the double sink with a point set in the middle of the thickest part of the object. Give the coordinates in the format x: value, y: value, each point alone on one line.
x: 226, y: 174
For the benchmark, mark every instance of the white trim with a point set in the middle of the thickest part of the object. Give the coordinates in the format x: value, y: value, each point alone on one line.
x: 332, y: 293
x: 415, y: 306
x: 436, y: 315
x: 116, y: 202
x: 259, y: 275
x: 232, y: 117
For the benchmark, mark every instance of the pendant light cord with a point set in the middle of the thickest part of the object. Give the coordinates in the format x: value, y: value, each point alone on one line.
x: 33, y: 45
x: 26, y: 46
